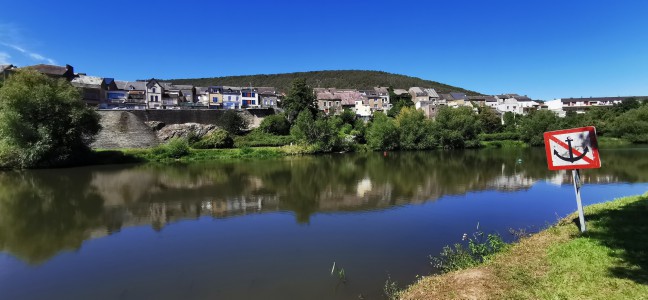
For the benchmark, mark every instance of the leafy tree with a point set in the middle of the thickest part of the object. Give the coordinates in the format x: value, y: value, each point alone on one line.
x: 599, y: 117
x: 322, y: 133
x: 233, y: 122
x: 457, y: 127
x: 510, y: 123
x: 626, y: 105
x: 43, y: 121
x: 300, y: 97
x: 490, y: 121
x: 399, y: 101
x: 275, y: 124
x: 412, y: 126
x: 347, y: 117
x: 303, y: 129
x: 535, y: 124
x: 632, y: 125
x: 382, y: 133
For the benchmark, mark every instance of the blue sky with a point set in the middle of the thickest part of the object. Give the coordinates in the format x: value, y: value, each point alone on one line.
x: 545, y: 49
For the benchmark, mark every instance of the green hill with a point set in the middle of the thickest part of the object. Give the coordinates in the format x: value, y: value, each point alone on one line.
x: 343, y: 79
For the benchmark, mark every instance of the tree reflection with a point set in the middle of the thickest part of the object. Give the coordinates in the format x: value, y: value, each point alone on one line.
x: 45, y: 211
x: 42, y: 213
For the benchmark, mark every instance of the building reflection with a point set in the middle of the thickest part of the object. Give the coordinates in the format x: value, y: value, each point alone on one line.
x: 43, y: 212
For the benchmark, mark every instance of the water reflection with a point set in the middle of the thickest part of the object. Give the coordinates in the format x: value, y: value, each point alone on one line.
x: 43, y: 212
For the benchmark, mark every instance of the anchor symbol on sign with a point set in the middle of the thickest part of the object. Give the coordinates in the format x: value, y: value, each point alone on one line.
x: 571, y: 157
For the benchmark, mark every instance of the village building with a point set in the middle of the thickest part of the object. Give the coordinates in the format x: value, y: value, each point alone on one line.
x: 201, y: 98
x: 129, y: 95
x: 516, y: 104
x: 94, y: 89
x: 418, y: 94
x: 5, y: 70
x: 249, y: 98
x: 268, y: 97
x: 231, y: 97
x: 66, y: 72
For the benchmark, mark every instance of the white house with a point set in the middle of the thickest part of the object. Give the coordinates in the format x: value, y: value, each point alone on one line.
x: 516, y: 104
x: 249, y: 98
x: 154, y: 91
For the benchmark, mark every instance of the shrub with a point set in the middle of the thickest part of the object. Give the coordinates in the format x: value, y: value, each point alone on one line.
x: 218, y: 138
x: 457, y: 257
x: 275, y: 124
x: 233, y: 122
x: 457, y: 127
x: 177, y: 148
x: 43, y: 121
x: 412, y: 126
x: 382, y: 133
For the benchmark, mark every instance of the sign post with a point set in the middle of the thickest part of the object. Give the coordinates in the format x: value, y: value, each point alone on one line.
x: 573, y: 149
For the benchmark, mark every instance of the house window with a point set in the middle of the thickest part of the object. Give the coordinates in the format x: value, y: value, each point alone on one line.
x: 152, y: 98
x: 229, y: 98
x: 156, y: 99
x: 153, y: 90
x: 215, y: 99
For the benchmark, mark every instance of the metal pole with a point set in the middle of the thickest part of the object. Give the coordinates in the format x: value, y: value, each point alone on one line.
x: 577, y: 186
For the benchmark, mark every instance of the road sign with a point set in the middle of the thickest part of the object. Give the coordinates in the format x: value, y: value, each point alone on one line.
x: 572, y: 149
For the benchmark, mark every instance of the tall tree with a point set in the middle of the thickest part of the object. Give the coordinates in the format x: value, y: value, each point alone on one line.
x: 300, y: 97
x: 43, y: 121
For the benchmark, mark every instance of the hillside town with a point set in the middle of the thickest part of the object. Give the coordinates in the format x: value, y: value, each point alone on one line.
x: 111, y: 94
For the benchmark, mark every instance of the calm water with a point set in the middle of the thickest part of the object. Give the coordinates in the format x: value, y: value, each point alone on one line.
x: 272, y: 229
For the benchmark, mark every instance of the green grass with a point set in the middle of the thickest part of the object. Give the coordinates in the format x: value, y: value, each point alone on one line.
x: 504, y: 144
x: 609, y: 261
x: 611, y: 142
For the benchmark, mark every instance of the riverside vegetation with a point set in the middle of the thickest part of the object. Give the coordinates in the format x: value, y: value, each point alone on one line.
x: 302, y: 129
x: 44, y: 124
x: 607, y: 262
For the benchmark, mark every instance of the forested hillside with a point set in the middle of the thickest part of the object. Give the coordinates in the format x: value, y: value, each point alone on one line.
x: 344, y: 79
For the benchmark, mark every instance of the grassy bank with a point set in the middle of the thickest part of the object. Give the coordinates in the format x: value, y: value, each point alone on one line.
x: 609, y: 261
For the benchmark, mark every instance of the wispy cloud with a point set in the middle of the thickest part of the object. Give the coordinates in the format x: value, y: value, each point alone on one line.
x: 4, y: 58
x: 11, y: 37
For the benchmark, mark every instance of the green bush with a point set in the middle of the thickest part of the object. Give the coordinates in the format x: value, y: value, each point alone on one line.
x: 174, y: 148
x: 177, y: 148
x: 218, y: 138
x: 416, y: 132
x: 233, y: 122
x: 275, y: 124
x: 457, y: 127
x: 533, y: 126
x: 382, y: 133
x: 43, y: 122
x: 457, y: 257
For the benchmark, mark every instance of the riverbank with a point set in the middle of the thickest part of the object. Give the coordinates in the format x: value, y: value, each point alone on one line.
x: 609, y: 261
x: 169, y: 154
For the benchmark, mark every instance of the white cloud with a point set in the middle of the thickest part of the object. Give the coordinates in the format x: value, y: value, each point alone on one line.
x: 4, y: 58
x: 10, y: 37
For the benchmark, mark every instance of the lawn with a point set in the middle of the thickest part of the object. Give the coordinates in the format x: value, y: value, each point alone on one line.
x: 609, y: 261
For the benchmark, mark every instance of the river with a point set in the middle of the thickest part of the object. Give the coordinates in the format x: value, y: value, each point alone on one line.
x: 272, y: 229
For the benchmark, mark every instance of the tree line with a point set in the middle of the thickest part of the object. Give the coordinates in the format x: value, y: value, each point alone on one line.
x: 405, y: 128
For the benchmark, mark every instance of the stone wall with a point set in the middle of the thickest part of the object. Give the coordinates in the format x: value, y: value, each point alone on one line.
x: 123, y: 129
x: 201, y: 116
x: 126, y: 128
